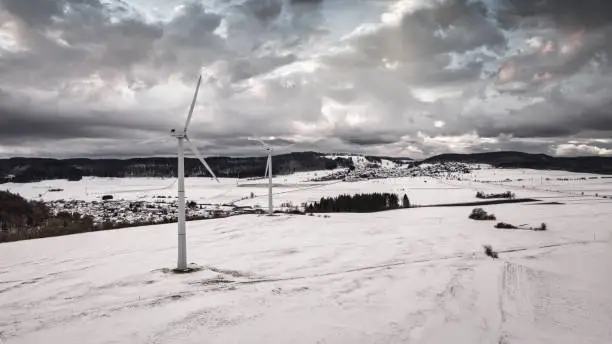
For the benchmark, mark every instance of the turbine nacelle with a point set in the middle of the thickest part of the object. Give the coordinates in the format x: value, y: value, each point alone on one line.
x: 178, y: 134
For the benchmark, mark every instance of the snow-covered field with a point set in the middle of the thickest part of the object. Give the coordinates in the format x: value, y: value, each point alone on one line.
x: 404, y: 276
x: 148, y: 189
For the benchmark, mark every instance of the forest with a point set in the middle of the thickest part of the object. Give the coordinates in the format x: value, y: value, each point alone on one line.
x: 359, y: 203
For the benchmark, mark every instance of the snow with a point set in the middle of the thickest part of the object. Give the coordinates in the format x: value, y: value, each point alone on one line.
x: 361, y: 161
x: 410, y: 275
x: 147, y: 189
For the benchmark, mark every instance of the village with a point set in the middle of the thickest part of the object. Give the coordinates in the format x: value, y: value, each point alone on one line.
x: 121, y: 213
x: 374, y: 171
x: 111, y: 212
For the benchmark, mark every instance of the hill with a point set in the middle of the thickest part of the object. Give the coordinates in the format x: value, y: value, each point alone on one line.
x: 24, y: 170
x: 509, y: 159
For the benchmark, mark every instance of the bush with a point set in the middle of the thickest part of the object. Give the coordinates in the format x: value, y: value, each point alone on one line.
x: 504, y: 225
x: 481, y: 215
x: 542, y: 227
x: 294, y: 211
x: 489, y: 252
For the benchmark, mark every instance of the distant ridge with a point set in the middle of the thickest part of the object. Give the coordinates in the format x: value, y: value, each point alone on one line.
x: 512, y: 159
x: 24, y: 170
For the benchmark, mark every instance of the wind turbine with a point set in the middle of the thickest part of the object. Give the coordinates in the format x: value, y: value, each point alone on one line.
x: 268, y: 174
x: 181, y: 137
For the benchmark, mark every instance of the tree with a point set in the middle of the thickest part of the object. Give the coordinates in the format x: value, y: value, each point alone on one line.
x: 405, y: 202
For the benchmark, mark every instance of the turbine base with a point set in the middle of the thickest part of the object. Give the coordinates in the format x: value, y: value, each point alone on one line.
x: 189, y: 269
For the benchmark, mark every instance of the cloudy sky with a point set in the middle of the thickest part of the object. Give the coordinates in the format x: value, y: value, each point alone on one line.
x: 110, y: 78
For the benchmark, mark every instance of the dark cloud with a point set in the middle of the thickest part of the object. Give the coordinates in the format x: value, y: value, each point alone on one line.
x: 544, y: 119
x: 369, y: 140
x: 34, y: 12
x: 194, y: 21
x: 565, y: 13
x: 453, y: 26
x: 92, y: 39
x: 19, y: 124
x: 309, y: 2
x: 525, y: 130
x: 264, y: 10
x: 246, y: 68
x: 40, y: 13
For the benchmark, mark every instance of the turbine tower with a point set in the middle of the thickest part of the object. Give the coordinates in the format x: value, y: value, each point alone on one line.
x: 268, y: 174
x: 181, y: 137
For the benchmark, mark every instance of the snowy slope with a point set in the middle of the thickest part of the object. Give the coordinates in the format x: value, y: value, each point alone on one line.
x: 360, y: 161
x: 412, y: 275
x: 298, y: 188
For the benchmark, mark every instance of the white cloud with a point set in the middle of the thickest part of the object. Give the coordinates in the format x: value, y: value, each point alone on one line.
x: 570, y: 149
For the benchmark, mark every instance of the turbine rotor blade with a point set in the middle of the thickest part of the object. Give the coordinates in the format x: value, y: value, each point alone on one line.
x: 196, y: 152
x: 258, y: 140
x: 268, y: 166
x: 193, y: 102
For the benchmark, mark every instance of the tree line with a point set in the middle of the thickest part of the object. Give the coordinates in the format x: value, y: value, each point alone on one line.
x: 21, y: 219
x: 506, y: 194
x: 25, y: 170
x: 359, y: 203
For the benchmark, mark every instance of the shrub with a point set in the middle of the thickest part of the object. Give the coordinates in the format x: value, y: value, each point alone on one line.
x: 542, y: 227
x: 489, y: 252
x: 294, y: 211
x: 504, y: 225
x: 481, y: 215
